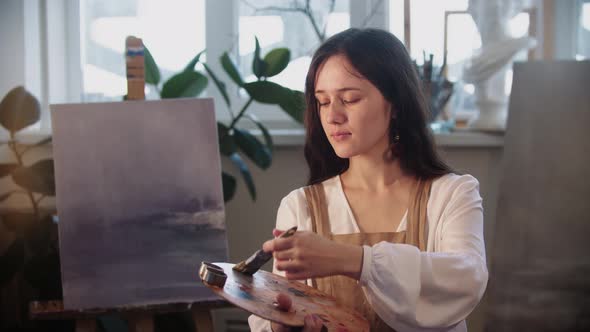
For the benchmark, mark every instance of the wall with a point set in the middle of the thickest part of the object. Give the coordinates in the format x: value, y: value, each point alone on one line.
x: 12, y: 41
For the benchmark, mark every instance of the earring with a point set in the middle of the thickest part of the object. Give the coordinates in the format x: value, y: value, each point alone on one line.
x: 396, y: 138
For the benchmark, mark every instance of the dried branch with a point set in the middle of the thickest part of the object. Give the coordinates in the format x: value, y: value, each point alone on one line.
x: 371, y: 13
x: 297, y: 8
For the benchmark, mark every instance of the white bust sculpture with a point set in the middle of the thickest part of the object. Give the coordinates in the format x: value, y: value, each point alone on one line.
x: 487, y: 69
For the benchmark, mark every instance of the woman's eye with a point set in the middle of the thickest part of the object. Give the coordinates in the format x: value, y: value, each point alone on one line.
x: 349, y: 102
x: 323, y: 104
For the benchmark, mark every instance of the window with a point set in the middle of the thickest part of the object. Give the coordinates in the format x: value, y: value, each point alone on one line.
x: 446, y: 30
x: 173, y: 30
x: 583, y: 42
x: 285, y: 23
x: 435, y: 26
x: 176, y: 30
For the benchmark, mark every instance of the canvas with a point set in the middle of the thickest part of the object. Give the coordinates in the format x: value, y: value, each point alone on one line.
x: 539, y: 263
x: 139, y: 201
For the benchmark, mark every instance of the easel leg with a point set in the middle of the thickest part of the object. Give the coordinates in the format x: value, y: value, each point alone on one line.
x: 141, y: 323
x: 203, y: 320
x: 86, y: 325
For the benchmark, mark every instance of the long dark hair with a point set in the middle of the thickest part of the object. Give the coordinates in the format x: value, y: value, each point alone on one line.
x: 383, y: 60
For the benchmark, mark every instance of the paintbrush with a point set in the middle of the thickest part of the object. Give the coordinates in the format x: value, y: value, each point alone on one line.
x: 259, y: 258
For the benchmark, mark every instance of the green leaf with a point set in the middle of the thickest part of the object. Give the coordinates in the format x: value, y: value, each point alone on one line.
x: 267, y: 92
x: 30, y: 147
x: 191, y: 65
x: 231, y: 69
x: 265, y: 133
x: 227, y: 145
x: 19, y: 222
x: 6, y: 169
x: 276, y: 61
x: 258, y: 65
x: 219, y: 84
x: 19, y: 109
x: 252, y: 147
x: 38, y: 178
x: 152, y: 72
x: 42, y: 271
x: 37, y: 232
x: 11, y: 260
x: 185, y: 84
x: 237, y: 160
x: 229, y: 186
x: 294, y: 105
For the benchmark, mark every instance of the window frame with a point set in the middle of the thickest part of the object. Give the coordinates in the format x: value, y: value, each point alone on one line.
x: 536, y: 25
x: 532, y: 31
x: 60, y: 21
x: 220, y: 36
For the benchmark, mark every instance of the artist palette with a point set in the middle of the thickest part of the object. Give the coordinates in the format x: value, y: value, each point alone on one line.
x: 257, y: 294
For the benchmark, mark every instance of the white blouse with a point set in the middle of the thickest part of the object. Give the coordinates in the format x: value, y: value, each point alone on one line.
x: 412, y: 290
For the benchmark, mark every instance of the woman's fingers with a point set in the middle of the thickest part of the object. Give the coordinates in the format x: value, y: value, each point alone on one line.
x: 288, y: 254
x: 289, y: 265
x: 278, y: 244
x: 312, y: 323
x: 284, y: 302
x: 297, y: 275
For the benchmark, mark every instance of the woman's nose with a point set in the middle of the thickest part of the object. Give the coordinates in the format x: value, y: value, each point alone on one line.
x: 336, y: 114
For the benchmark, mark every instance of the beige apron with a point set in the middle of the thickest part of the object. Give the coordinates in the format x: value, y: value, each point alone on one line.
x: 346, y: 290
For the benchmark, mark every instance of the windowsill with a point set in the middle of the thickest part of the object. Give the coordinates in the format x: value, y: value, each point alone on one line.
x: 27, y: 136
x: 296, y: 137
x: 458, y: 139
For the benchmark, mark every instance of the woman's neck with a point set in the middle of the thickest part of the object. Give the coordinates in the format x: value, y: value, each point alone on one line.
x: 373, y: 173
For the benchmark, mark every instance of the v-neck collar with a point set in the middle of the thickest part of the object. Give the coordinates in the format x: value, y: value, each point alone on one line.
x: 402, y: 224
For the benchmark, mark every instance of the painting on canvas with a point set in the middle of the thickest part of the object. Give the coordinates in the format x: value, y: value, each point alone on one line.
x: 139, y: 201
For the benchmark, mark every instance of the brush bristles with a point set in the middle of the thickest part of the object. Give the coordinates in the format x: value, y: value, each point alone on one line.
x: 240, y: 267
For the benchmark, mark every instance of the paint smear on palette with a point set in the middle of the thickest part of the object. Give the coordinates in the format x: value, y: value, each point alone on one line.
x: 241, y: 292
x: 245, y: 295
x: 297, y: 292
x: 245, y: 288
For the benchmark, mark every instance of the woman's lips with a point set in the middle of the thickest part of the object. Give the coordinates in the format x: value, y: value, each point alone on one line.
x: 340, y: 136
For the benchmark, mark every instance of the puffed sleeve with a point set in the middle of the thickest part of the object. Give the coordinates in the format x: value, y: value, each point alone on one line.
x: 412, y: 290
x: 292, y: 212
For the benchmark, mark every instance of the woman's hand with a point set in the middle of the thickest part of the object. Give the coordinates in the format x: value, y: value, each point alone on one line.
x: 309, y: 255
x: 312, y: 323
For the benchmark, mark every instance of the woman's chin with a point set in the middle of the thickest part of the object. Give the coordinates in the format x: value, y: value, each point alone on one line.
x: 344, y: 153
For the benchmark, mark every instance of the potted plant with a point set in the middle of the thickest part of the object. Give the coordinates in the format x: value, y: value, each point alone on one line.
x: 236, y: 143
x: 30, y: 258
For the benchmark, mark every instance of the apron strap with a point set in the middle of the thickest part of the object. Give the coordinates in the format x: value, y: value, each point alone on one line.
x: 417, y: 227
x: 318, y: 209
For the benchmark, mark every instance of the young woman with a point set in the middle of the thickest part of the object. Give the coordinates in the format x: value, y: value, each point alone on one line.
x: 385, y: 226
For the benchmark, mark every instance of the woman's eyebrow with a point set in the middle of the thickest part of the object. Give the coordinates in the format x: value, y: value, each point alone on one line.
x: 340, y: 90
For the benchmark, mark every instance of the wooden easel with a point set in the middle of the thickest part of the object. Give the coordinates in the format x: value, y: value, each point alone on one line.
x: 139, y: 319
x: 135, y: 65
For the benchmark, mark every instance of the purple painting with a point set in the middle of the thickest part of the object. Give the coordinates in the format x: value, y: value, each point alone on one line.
x: 139, y: 201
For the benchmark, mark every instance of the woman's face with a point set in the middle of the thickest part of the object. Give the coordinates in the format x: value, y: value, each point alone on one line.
x: 354, y: 114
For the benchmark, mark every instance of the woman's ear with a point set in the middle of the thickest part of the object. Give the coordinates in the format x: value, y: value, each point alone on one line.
x: 393, y: 112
